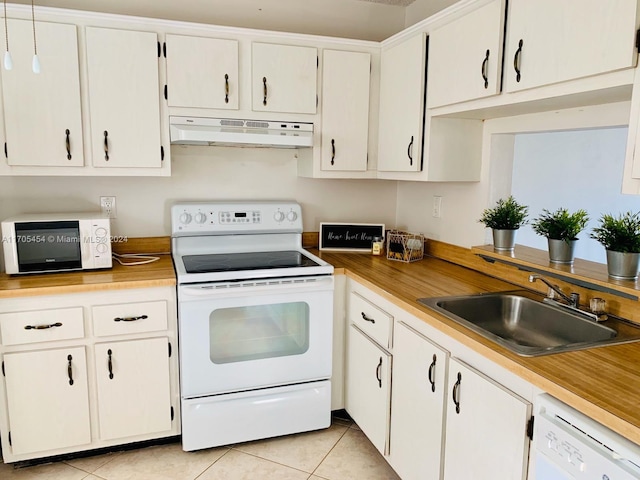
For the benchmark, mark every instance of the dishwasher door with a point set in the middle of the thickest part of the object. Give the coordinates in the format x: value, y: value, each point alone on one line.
x: 571, y: 446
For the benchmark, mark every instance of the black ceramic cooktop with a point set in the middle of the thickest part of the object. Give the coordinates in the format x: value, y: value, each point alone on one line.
x: 228, y: 262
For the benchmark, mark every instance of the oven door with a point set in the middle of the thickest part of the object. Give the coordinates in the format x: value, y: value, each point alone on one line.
x: 254, y: 334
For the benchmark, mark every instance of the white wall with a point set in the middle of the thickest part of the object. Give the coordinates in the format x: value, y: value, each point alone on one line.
x: 204, y: 173
x: 340, y: 18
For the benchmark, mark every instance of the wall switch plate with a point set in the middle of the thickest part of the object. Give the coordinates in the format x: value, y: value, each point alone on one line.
x: 437, y: 206
x: 108, y: 206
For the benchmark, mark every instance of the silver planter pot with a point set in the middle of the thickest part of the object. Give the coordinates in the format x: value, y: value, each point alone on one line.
x: 623, y: 266
x: 561, y: 251
x: 504, y: 240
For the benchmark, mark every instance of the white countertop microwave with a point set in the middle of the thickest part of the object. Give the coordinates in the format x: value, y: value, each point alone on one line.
x: 56, y: 242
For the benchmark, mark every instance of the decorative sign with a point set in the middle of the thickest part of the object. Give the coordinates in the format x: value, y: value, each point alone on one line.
x: 354, y: 237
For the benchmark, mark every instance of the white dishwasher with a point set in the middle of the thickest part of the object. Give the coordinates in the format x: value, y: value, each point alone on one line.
x: 571, y: 446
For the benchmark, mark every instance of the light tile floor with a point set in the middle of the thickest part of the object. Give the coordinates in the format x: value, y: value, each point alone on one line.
x: 341, y: 452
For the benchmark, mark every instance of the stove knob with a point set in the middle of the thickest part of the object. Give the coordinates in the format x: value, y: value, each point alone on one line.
x: 185, y: 218
x: 200, y: 217
x: 292, y: 216
x: 278, y: 216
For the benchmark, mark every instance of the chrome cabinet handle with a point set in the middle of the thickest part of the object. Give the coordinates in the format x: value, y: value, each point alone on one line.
x: 410, y: 151
x: 226, y: 88
x: 106, y: 145
x: 129, y: 319
x: 70, y: 369
x: 67, y: 143
x: 432, y: 374
x: 333, y: 151
x: 456, y: 393
x: 485, y: 70
x: 379, y: 372
x: 110, y: 364
x: 264, y: 89
x: 517, y: 60
x: 42, y: 327
x: 367, y: 319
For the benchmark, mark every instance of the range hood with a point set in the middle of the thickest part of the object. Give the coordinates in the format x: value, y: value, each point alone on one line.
x: 239, y: 132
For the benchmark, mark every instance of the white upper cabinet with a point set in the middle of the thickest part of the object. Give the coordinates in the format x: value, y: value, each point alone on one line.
x: 465, y: 57
x: 485, y: 428
x: 202, y: 72
x: 284, y: 78
x: 551, y: 41
x: 345, y: 110
x: 43, y: 120
x: 124, y: 98
x: 402, y: 106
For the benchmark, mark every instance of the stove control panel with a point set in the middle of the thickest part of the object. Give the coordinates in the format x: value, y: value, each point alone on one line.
x: 219, y: 218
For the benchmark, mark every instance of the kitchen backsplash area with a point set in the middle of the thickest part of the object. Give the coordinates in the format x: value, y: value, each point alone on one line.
x: 204, y: 173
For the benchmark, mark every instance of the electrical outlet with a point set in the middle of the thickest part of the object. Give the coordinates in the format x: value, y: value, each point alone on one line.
x: 437, y: 206
x: 108, y: 206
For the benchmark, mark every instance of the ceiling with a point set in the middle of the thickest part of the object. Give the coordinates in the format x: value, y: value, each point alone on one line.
x: 399, y: 3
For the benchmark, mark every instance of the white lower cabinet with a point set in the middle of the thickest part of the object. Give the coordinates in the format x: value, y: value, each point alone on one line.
x: 486, y: 428
x: 48, y: 399
x: 133, y: 387
x: 89, y: 371
x: 417, y: 408
x: 368, y: 395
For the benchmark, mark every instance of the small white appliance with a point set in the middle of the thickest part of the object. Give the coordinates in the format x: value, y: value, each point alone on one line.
x: 56, y: 242
x: 240, y: 132
x: 571, y: 446
x: 255, y: 317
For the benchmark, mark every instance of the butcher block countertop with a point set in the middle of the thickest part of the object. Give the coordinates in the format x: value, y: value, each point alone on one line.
x: 156, y: 274
x: 603, y: 383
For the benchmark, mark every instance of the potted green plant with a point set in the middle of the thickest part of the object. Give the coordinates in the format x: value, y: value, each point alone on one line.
x: 561, y: 229
x: 620, y: 236
x: 505, y: 219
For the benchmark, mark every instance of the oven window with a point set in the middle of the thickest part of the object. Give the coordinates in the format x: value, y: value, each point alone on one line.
x: 238, y: 334
x: 48, y: 246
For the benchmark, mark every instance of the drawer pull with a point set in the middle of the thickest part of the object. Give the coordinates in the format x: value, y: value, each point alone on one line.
x: 517, y: 60
x: 110, y: 364
x: 410, y: 151
x: 106, y: 145
x: 70, y: 369
x: 264, y: 91
x: 456, y: 393
x: 129, y: 319
x: 367, y: 319
x: 432, y: 374
x: 333, y: 151
x: 68, y: 143
x: 42, y: 327
x: 378, y: 373
x: 226, y: 88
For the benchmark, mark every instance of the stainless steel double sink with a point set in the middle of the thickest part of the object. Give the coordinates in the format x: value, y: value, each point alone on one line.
x: 521, y: 322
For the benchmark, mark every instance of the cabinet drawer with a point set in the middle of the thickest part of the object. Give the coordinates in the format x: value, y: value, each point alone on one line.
x: 129, y: 318
x: 372, y: 320
x: 41, y: 326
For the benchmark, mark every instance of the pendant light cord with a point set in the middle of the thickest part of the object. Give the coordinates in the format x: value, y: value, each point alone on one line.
x: 6, y: 30
x: 33, y: 23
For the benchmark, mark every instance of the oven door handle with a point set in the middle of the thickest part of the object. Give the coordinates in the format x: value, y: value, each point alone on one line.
x: 311, y: 284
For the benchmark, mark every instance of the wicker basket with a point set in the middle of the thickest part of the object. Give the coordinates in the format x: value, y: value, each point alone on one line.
x: 405, y: 246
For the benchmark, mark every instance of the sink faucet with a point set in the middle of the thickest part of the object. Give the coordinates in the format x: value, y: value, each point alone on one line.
x: 573, y: 300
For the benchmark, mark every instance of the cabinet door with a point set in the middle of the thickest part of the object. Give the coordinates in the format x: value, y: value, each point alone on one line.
x: 43, y: 120
x: 417, y: 405
x: 402, y: 98
x: 368, y: 394
x: 465, y: 57
x: 47, y: 399
x: 284, y: 78
x: 345, y: 110
x: 124, y: 100
x: 133, y: 387
x: 551, y: 41
x: 202, y: 72
x: 486, y: 428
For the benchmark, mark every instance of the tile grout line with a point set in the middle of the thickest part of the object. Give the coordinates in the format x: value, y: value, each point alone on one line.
x: 212, y: 464
x: 329, y: 452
